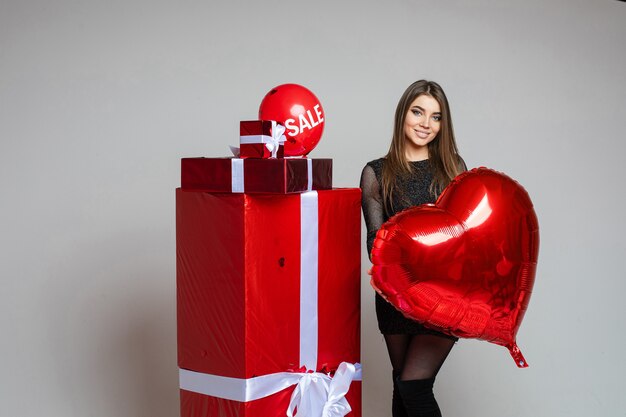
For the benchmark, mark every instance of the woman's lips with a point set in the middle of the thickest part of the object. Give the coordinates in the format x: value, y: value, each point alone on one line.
x: 420, y: 134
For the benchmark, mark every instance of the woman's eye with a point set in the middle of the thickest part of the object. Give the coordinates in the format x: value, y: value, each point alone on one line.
x: 437, y: 118
x: 417, y: 112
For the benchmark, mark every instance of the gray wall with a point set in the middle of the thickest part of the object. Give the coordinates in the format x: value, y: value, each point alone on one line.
x: 100, y: 100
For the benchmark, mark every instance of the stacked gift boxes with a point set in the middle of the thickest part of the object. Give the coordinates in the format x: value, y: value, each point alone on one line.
x: 268, y: 286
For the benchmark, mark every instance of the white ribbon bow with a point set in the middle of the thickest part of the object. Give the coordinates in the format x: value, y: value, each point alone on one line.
x: 319, y: 395
x: 272, y: 143
x: 276, y: 139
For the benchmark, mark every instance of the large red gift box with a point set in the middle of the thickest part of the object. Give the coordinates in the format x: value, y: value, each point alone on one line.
x: 266, y: 285
x: 252, y: 175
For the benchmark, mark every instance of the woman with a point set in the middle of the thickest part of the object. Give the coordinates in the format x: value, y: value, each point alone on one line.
x: 421, y: 162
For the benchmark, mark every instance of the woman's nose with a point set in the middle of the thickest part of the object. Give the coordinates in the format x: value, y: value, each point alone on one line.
x: 424, y: 121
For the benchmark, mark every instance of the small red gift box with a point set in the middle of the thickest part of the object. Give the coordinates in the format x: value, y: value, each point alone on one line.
x: 261, y: 139
x: 258, y: 303
x: 251, y: 175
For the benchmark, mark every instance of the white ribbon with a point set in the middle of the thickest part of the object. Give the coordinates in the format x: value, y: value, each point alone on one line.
x: 309, y: 242
x: 319, y: 395
x: 278, y: 137
x: 316, y: 394
x: 309, y: 173
x: 235, y: 151
x: 272, y: 143
x: 236, y: 172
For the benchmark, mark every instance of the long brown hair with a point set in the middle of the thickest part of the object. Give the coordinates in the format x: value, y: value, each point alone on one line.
x: 445, y: 162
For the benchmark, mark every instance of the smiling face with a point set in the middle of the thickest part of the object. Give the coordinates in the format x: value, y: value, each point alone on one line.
x: 421, y: 125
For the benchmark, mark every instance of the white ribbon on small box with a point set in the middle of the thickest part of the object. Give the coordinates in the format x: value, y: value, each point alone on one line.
x: 315, y: 394
x: 272, y: 143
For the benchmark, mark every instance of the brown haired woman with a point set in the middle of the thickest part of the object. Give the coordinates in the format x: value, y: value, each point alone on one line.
x: 422, y: 159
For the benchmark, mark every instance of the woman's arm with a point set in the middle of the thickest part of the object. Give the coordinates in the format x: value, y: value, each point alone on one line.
x: 372, y: 205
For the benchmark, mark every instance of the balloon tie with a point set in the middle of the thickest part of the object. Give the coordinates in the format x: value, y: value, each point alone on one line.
x: 520, y: 361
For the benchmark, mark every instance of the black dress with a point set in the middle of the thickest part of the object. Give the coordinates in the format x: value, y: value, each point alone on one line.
x: 411, y: 191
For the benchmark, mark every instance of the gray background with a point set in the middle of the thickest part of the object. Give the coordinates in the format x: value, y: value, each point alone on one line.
x: 100, y: 100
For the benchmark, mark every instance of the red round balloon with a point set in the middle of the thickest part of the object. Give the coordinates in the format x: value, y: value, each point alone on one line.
x: 300, y: 112
x: 465, y: 265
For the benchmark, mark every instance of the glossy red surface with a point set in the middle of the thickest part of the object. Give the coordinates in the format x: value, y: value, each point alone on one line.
x: 466, y: 264
x: 238, y: 290
x: 300, y: 111
x: 279, y: 176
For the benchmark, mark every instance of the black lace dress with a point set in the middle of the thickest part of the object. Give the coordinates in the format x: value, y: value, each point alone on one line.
x: 411, y: 191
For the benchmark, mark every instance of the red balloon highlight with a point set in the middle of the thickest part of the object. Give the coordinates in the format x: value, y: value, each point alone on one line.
x: 300, y: 111
x: 465, y: 265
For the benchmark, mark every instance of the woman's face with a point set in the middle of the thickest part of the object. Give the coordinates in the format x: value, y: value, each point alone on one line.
x: 422, y: 122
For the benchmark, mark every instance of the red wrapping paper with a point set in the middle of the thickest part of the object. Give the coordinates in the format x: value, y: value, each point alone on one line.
x: 257, y: 150
x: 238, y: 291
x: 275, y: 176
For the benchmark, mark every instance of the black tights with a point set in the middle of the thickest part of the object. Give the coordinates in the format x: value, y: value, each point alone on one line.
x: 416, y: 360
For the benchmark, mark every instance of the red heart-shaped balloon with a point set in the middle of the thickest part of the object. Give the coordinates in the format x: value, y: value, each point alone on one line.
x: 466, y: 264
